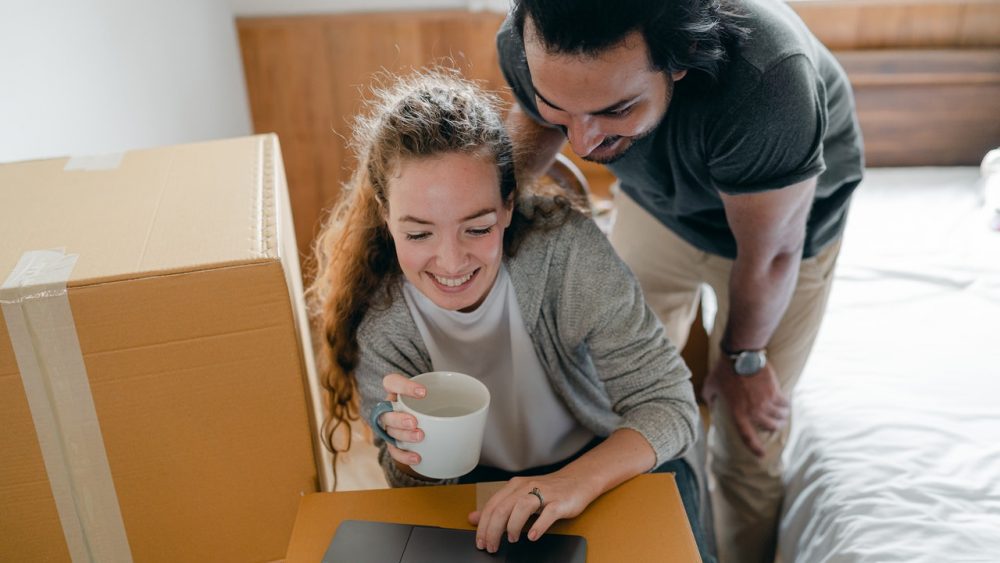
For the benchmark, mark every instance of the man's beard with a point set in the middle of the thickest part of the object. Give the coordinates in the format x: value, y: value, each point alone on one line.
x: 634, y: 139
x: 630, y: 143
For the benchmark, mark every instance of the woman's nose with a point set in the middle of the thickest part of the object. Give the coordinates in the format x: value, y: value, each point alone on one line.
x: 451, y: 256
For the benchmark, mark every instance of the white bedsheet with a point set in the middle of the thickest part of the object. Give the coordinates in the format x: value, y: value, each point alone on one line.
x: 895, y: 449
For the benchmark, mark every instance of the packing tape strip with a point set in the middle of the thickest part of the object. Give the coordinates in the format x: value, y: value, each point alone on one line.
x: 43, y: 334
x: 95, y: 162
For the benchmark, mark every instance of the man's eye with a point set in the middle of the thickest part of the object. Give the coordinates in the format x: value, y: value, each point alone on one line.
x: 417, y: 236
x: 620, y: 112
x: 481, y: 232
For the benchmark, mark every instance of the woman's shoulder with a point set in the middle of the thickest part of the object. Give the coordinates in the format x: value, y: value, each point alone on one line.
x: 559, y: 238
x: 553, y: 218
x: 387, y: 315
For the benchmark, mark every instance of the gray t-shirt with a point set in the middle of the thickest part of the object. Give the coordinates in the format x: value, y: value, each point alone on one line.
x: 782, y: 113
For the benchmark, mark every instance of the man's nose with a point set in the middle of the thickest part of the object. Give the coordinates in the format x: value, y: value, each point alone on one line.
x: 584, y: 135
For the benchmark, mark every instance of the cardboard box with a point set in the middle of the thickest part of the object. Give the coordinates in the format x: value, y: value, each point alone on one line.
x: 185, y: 299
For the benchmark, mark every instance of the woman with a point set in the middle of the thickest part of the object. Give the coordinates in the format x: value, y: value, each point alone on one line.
x: 432, y: 260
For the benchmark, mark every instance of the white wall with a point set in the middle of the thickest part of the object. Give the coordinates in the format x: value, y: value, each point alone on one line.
x: 94, y: 76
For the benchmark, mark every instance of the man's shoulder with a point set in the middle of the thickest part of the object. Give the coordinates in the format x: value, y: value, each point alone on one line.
x: 507, y: 37
x: 780, y: 54
x: 778, y: 49
x: 776, y: 34
x: 510, y: 47
x: 514, y: 67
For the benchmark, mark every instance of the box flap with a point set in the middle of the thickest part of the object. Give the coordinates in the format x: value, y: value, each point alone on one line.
x: 169, y: 209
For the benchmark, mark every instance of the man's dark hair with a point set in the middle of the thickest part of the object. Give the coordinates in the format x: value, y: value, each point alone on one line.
x: 692, y: 35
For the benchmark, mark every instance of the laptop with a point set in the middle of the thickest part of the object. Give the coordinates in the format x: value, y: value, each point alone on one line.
x: 360, y: 541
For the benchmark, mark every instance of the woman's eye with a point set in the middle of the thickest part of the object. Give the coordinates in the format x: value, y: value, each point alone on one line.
x: 481, y: 232
x: 417, y: 236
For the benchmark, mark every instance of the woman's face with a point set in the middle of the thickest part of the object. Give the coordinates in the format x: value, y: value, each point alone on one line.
x: 447, y: 219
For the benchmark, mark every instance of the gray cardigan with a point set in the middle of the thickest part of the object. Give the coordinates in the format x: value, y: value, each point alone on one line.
x: 603, y: 350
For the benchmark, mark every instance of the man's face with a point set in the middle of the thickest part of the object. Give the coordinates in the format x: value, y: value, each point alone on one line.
x: 603, y: 102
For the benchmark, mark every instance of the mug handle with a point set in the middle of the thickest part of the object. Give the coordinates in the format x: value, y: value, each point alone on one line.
x: 381, y: 408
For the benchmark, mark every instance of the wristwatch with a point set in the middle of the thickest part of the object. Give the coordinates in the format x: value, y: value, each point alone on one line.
x: 747, y: 362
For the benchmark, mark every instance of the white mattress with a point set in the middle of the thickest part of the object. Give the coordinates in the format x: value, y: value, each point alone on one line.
x: 895, y: 449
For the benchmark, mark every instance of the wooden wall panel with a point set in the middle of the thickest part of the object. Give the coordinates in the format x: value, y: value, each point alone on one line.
x: 917, y: 107
x: 894, y: 24
x: 305, y: 74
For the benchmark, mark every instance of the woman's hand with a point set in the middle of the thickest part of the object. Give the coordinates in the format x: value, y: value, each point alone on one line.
x: 563, y: 494
x: 509, y: 509
x: 399, y: 425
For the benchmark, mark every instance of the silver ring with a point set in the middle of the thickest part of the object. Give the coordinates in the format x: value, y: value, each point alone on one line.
x: 541, y: 501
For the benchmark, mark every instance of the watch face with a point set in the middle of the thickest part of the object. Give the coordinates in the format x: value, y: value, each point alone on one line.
x: 749, y: 362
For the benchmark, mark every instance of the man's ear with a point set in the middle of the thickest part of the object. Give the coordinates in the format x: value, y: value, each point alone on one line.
x: 678, y: 75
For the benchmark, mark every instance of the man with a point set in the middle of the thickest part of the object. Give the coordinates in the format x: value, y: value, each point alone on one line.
x: 733, y: 134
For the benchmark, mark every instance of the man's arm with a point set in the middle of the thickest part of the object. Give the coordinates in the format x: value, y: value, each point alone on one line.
x: 770, y: 231
x: 535, y: 146
x: 769, y: 228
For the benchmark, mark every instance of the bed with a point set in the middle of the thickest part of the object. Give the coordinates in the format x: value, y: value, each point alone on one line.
x: 895, y: 448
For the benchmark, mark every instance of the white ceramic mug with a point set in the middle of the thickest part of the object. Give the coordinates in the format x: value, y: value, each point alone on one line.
x: 453, y: 418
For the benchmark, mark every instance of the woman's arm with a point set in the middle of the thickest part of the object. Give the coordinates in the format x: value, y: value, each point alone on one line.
x: 389, y: 343
x: 601, y: 305
x: 566, y: 492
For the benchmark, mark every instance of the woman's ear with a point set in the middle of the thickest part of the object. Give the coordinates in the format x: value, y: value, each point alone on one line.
x: 383, y: 211
x: 384, y: 215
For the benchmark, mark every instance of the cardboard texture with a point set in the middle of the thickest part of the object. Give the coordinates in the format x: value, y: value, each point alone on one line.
x: 641, y: 520
x: 186, y: 300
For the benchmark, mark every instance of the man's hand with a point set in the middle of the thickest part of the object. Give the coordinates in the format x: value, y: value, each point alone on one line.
x: 755, y: 402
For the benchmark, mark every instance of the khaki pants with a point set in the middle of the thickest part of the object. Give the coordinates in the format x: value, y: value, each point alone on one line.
x: 747, y: 491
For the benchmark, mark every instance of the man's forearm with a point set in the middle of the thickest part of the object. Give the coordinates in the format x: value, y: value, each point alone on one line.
x: 770, y: 229
x: 759, y: 294
x: 535, y: 146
